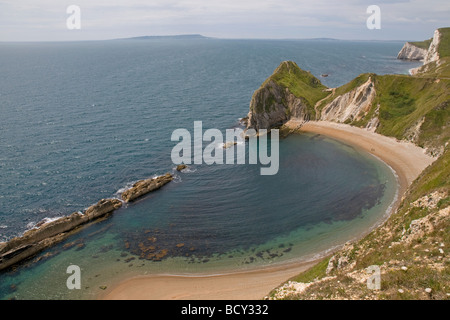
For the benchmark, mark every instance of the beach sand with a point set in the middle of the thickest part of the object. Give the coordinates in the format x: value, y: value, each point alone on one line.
x: 406, y: 159
x: 250, y: 285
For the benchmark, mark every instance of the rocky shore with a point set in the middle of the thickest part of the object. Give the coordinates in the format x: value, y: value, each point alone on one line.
x: 146, y: 186
x: 47, y: 234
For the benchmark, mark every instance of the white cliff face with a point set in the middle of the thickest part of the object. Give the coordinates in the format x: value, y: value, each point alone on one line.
x: 411, y: 52
x: 351, y: 106
x: 433, y: 54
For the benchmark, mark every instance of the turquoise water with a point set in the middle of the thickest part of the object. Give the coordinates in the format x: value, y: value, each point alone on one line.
x: 80, y: 121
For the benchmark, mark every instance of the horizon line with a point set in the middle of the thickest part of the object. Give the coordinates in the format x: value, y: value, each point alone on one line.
x: 202, y: 37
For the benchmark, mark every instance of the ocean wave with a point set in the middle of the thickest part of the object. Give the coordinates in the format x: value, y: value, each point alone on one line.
x: 177, y: 179
x: 128, y: 186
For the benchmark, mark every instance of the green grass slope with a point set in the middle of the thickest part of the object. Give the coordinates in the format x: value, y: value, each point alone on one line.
x: 299, y: 82
x: 422, y: 44
x: 411, y: 259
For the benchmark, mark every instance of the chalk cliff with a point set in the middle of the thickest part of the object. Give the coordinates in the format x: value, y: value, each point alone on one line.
x: 352, y: 105
x: 412, y: 52
x: 432, y: 54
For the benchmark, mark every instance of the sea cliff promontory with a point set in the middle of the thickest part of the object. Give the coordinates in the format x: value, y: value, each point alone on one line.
x: 288, y: 92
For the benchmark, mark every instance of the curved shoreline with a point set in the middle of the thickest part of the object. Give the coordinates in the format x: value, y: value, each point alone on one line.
x: 406, y: 160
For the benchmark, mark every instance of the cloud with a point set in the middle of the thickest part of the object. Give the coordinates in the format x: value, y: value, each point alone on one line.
x: 28, y: 20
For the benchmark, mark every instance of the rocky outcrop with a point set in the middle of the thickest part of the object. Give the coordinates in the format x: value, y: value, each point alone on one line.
x: 143, y: 187
x: 272, y: 105
x: 289, y: 92
x: 36, y: 240
x: 351, y: 106
x: 229, y: 145
x: 433, y: 53
x: 411, y: 52
x: 48, y: 233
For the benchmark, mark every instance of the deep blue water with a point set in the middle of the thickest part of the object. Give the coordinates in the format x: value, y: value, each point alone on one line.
x: 80, y: 121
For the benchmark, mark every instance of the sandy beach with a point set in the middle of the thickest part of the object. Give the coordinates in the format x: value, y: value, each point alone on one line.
x: 406, y: 159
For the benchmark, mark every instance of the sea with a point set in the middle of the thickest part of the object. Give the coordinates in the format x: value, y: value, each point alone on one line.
x: 83, y: 121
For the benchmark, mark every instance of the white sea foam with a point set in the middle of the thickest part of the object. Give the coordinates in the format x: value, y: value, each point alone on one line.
x: 129, y: 185
x: 177, y: 179
x: 188, y: 169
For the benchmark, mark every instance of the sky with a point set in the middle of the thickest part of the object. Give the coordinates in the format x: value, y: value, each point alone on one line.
x: 46, y: 20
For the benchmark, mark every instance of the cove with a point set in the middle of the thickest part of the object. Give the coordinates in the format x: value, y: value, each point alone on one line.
x: 216, y: 219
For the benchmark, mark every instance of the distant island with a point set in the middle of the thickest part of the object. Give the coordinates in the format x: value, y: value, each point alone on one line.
x: 179, y: 36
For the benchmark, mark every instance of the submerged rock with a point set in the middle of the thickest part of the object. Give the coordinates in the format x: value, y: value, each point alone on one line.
x: 143, y: 187
x: 229, y: 144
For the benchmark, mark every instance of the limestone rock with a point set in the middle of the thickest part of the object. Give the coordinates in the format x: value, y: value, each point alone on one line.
x: 411, y: 52
x: 432, y: 53
x: 50, y: 233
x: 274, y: 103
x: 146, y: 186
x: 229, y: 144
x: 101, y: 208
x: 351, y: 105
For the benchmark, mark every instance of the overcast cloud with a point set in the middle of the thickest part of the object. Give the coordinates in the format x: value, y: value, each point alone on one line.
x: 45, y: 20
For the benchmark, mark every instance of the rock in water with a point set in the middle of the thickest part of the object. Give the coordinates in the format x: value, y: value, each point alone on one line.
x: 48, y: 234
x: 181, y: 167
x: 143, y: 187
x: 229, y: 144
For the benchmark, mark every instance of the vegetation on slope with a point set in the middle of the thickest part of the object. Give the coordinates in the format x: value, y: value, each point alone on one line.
x: 408, y: 108
x: 299, y: 82
x: 411, y: 248
x: 441, y: 68
x: 422, y: 44
x: 444, y: 44
x: 405, y: 102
